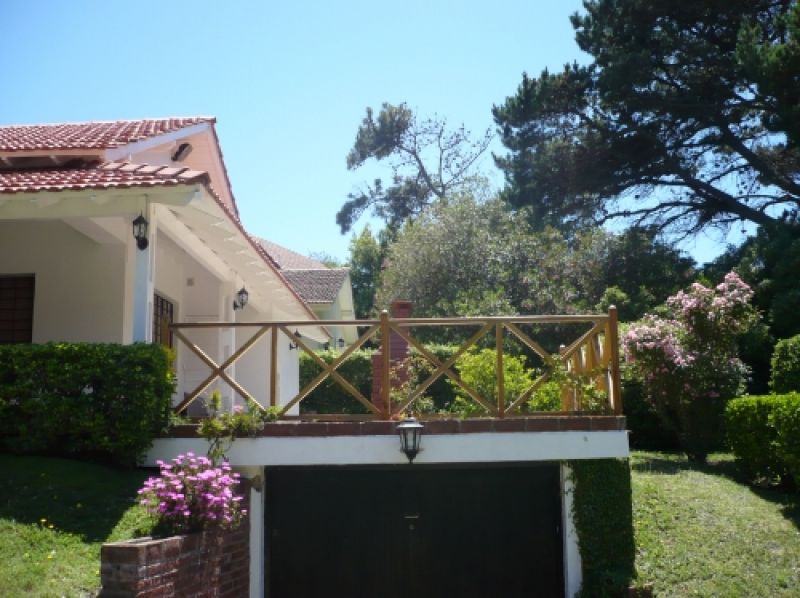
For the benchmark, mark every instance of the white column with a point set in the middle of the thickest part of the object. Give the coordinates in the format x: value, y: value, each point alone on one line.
x: 573, y: 574
x: 144, y: 283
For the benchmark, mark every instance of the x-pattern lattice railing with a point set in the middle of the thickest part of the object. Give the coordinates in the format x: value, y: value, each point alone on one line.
x: 594, y: 355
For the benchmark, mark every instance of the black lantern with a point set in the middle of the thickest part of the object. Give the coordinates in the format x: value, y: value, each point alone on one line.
x: 140, y: 231
x: 410, y: 431
x: 340, y: 342
x: 293, y: 346
x: 241, y: 299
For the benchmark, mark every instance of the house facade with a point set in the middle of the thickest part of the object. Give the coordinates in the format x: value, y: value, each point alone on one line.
x: 327, y: 291
x: 71, y: 269
x: 336, y: 508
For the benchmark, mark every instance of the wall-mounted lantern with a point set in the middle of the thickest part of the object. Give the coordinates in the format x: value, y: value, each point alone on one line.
x: 241, y: 299
x: 293, y: 346
x: 140, y: 225
x: 410, y: 431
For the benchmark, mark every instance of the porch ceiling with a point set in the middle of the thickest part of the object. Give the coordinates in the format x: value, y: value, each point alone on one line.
x: 194, y: 218
x: 218, y: 231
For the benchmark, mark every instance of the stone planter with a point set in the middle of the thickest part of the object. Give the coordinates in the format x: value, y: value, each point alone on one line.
x: 212, y: 563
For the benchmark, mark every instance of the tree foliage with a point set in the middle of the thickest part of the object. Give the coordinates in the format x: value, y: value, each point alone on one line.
x: 366, y: 259
x: 469, y: 258
x: 428, y: 160
x: 686, y: 117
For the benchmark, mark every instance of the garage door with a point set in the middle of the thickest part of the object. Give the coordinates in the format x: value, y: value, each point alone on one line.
x: 414, y: 531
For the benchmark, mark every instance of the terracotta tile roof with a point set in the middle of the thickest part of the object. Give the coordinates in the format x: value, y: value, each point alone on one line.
x: 317, y: 286
x: 97, y: 176
x: 90, y: 135
x: 287, y: 259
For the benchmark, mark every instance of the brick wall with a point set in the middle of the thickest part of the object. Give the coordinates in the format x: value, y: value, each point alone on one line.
x: 194, y: 565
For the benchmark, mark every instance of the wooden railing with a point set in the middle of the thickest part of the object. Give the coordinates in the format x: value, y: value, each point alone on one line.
x: 593, y: 356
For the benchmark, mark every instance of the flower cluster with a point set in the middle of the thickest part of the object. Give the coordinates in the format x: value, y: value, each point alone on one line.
x: 192, y: 494
x: 690, y: 353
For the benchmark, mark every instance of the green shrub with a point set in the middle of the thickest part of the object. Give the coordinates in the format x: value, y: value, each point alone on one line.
x: 752, y: 436
x: 785, y: 373
x: 786, y: 420
x: 330, y: 396
x: 546, y: 398
x: 647, y: 430
x: 104, y: 401
x: 478, y: 370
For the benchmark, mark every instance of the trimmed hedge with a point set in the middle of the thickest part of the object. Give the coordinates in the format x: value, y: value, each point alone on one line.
x: 786, y: 419
x: 100, y: 401
x: 331, y: 397
x: 752, y: 436
x: 764, y: 435
x: 785, y: 366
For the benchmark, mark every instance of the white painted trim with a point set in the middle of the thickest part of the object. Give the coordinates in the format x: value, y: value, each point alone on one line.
x: 573, y: 572
x: 385, y: 449
x: 256, y: 523
x: 120, y: 153
x: 191, y: 244
x: 84, y: 203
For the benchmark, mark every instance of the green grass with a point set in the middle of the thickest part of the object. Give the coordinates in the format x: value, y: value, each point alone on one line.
x: 700, y: 531
x: 54, y: 516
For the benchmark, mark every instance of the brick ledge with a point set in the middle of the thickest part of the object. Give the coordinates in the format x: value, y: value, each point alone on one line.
x: 577, y: 423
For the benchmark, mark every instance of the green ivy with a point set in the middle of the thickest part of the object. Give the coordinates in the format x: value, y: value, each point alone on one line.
x: 603, y: 516
x: 102, y: 401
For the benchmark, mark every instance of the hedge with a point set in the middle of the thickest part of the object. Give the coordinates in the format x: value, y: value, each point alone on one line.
x: 100, y: 401
x: 331, y: 397
x: 786, y: 419
x: 785, y: 366
x: 764, y: 435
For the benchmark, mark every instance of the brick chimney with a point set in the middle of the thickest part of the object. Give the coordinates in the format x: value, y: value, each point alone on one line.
x: 398, y: 353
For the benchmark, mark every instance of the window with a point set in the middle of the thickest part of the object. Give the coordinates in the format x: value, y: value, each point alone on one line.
x: 16, y: 309
x: 163, y: 316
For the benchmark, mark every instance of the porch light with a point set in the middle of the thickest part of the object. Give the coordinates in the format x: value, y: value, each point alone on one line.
x: 410, y: 431
x: 140, y: 225
x: 293, y: 346
x: 241, y: 299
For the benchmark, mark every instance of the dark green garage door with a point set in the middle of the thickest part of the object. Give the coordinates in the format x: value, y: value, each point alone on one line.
x: 414, y: 531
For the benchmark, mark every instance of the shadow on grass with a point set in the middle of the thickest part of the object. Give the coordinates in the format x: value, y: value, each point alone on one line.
x: 76, y: 497
x: 722, y: 466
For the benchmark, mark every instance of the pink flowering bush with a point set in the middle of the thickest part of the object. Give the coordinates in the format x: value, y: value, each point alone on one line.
x: 193, y: 494
x: 687, y: 358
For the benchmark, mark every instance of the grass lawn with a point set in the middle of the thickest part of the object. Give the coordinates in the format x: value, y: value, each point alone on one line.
x: 54, y: 516
x: 701, y: 532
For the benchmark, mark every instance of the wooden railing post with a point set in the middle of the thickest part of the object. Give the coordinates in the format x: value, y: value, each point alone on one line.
x: 501, y: 390
x: 386, y: 348
x: 273, y: 366
x: 616, y: 392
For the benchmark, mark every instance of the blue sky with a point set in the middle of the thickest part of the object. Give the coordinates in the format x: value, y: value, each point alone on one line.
x: 288, y: 82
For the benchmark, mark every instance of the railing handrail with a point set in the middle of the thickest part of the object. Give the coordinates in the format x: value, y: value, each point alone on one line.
x: 555, y: 319
x: 586, y: 356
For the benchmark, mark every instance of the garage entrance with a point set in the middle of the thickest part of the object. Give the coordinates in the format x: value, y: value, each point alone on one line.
x: 422, y: 531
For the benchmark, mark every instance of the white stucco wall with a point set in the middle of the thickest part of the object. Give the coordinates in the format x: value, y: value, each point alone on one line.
x: 385, y: 449
x: 79, y: 282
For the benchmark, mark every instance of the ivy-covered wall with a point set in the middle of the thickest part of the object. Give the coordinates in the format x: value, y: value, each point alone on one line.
x: 603, y: 517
